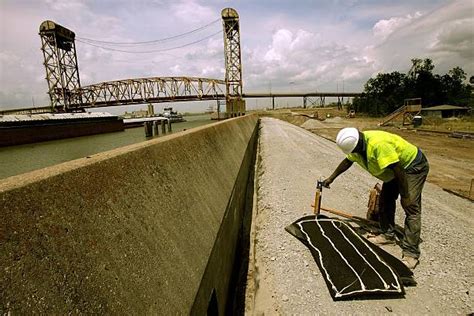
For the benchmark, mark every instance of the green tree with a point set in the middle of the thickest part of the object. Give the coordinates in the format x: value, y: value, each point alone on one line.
x: 455, y: 90
x: 387, y: 91
x: 420, y: 66
x: 382, y: 94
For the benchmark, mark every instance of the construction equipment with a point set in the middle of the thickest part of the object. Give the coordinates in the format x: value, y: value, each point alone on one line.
x: 373, y: 206
x: 317, y: 197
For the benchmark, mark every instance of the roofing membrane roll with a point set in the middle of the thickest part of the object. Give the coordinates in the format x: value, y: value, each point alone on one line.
x: 352, y: 266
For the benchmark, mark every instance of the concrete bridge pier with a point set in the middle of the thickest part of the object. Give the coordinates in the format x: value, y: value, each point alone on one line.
x: 235, y: 107
x: 156, y: 128
x: 148, y: 129
x: 163, y: 127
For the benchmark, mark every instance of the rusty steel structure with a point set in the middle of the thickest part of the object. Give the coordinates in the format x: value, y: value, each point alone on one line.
x: 67, y: 95
x: 235, y: 104
x: 151, y: 90
x: 62, y: 71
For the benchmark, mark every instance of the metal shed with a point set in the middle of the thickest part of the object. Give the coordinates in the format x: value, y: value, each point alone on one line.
x: 445, y: 111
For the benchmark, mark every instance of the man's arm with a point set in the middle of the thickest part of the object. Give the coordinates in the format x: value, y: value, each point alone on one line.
x: 343, y: 166
x: 400, y: 175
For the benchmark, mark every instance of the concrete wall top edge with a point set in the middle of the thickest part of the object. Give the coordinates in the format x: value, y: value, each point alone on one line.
x: 51, y: 171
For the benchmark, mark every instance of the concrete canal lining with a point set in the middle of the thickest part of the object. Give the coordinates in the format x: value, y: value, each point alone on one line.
x: 148, y: 228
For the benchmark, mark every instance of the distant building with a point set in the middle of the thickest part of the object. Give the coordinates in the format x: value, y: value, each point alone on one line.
x: 445, y: 111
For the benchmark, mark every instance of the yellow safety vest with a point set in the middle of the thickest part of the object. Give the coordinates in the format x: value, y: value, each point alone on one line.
x: 384, y: 149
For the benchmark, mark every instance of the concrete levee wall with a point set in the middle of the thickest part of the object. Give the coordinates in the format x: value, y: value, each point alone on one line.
x: 147, y: 228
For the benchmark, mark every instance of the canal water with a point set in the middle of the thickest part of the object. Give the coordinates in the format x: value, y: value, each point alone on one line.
x: 23, y: 158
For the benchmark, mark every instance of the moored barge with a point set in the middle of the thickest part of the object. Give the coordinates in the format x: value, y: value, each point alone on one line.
x: 32, y: 128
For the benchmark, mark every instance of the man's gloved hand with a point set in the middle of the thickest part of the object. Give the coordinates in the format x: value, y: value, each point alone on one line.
x: 327, y: 183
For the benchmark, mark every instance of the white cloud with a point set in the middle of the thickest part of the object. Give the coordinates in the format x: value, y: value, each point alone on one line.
x: 175, y: 70
x: 211, y: 72
x: 280, y: 48
x: 456, y: 37
x: 311, y: 48
x: 445, y: 35
x: 192, y: 12
x: 66, y: 5
x: 383, y: 28
x: 8, y: 58
x: 303, y: 60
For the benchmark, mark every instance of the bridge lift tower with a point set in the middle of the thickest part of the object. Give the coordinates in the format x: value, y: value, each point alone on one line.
x: 62, y: 71
x: 235, y: 104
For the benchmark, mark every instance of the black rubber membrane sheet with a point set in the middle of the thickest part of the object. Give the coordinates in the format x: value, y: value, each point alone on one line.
x: 353, y: 267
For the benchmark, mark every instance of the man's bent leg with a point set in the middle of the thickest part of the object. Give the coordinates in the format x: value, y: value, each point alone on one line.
x: 416, y: 177
x: 411, y: 240
x: 388, y: 196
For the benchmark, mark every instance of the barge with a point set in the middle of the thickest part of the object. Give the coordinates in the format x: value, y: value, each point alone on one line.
x: 32, y: 128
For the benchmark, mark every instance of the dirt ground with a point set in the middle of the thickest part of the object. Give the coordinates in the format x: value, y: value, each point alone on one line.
x: 283, y: 277
x: 451, y: 159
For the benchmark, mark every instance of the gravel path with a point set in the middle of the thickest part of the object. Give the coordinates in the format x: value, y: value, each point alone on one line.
x: 284, y: 276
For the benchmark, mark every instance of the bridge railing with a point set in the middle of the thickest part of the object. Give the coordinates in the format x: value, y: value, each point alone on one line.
x: 149, y: 90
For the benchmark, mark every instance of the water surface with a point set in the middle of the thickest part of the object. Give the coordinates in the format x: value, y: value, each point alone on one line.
x: 23, y: 158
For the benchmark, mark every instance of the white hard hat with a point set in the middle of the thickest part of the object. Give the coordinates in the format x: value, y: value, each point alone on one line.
x: 347, y: 139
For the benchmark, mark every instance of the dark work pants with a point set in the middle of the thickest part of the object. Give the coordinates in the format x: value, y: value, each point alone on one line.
x: 416, y: 175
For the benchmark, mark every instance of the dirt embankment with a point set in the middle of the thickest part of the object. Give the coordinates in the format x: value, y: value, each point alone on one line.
x: 451, y: 159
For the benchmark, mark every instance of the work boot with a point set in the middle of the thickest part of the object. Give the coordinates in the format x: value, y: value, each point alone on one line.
x: 410, y: 262
x: 382, y: 239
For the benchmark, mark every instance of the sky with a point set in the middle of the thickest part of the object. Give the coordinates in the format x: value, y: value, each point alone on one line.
x: 287, y: 46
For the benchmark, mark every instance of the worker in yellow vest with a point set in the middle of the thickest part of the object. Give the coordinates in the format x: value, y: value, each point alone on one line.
x: 403, y: 168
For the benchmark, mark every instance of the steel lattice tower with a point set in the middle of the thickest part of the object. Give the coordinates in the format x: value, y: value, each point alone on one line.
x: 235, y: 105
x: 62, y: 71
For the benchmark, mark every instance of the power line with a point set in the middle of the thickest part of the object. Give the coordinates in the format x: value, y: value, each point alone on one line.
x: 151, y: 51
x: 84, y: 39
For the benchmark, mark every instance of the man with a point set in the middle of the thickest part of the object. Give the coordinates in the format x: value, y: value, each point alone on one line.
x: 403, y: 169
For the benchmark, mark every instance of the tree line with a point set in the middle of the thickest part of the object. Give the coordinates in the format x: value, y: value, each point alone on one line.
x: 387, y: 91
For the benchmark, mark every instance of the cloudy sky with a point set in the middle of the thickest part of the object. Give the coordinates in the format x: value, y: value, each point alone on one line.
x: 297, y: 46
